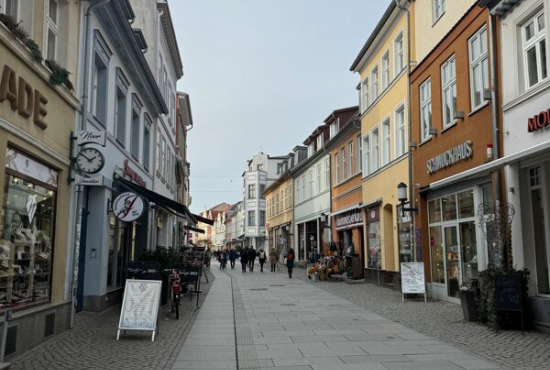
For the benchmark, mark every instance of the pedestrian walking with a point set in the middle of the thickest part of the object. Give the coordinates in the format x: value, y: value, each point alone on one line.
x: 290, y: 261
x: 207, y: 257
x: 273, y: 258
x: 244, y: 258
x: 232, y: 258
x: 261, y: 257
x: 251, y: 258
x: 223, y: 258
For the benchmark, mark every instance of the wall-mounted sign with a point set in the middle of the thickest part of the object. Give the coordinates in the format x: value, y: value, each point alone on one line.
x: 90, y: 137
x: 23, y: 99
x: 450, y: 157
x: 128, y: 207
x: 349, y: 219
x: 27, y: 166
x: 88, y: 181
x: 129, y: 172
x: 538, y: 122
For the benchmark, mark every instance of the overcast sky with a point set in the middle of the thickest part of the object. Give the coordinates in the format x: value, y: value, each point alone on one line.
x: 261, y: 76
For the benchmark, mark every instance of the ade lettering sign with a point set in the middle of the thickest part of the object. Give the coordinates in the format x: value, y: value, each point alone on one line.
x: 23, y: 99
x: 454, y: 155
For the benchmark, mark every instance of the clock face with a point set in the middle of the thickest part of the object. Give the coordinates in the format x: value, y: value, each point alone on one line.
x: 90, y: 160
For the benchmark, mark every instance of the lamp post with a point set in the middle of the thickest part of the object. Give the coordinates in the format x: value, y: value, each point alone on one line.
x: 402, y: 197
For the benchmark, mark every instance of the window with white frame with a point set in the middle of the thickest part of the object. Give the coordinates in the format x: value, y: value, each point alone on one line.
x: 120, y: 116
x: 374, y: 84
x: 318, y: 178
x: 375, y: 150
x: 277, y: 204
x: 400, y: 138
x: 169, y: 171
x: 438, y: 9
x: 479, y: 67
x: 163, y: 157
x: 364, y: 95
x: 385, y: 70
x: 298, y: 199
x: 336, y: 169
x: 334, y: 129
x: 310, y: 190
x: 157, y: 159
x: 320, y: 142
x: 327, y: 174
x: 366, y: 159
x: 310, y: 149
x: 534, y: 50
x: 386, y: 141
x: 343, y: 164
x: 398, y: 63
x: 359, y: 153
x: 11, y: 8
x: 99, y: 85
x: 136, y: 127
x: 350, y: 158
x: 52, y: 29
x: 304, y: 187
x: 448, y: 85
x: 147, y: 141
x: 252, y: 218
x: 425, y: 110
x: 252, y: 191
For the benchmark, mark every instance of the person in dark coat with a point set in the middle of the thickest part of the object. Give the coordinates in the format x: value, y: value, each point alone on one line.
x: 251, y: 258
x: 262, y: 256
x: 232, y: 257
x: 290, y: 261
x: 244, y: 258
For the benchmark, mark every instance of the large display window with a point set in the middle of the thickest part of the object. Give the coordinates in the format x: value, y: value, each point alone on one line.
x: 26, y: 231
x: 453, y: 239
x: 374, y: 260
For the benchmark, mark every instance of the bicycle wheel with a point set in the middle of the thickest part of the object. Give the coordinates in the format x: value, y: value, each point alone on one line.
x: 177, y: 308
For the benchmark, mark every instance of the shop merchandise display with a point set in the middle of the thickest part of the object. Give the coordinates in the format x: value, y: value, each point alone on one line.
x: 327, y: 267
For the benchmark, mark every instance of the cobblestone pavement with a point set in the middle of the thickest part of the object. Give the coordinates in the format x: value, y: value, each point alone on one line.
x: 288, y: 324
x: 92, y: 343
x: 444, y: 321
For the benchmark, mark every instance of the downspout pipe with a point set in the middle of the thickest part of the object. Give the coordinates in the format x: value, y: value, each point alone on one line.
x: 409, y: 118
x: 83, y: 125
x: 494, y: 108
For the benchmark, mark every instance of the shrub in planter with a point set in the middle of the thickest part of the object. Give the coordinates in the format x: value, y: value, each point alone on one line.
x: 487, y: 308
x: 14, y: 27
x: 59, y: 75
x: 35, y: 50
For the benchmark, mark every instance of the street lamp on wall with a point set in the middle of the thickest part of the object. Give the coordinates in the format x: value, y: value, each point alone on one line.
x: 402, y: 197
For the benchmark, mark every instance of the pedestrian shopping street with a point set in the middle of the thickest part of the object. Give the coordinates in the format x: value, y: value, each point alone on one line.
x: 257, y: 320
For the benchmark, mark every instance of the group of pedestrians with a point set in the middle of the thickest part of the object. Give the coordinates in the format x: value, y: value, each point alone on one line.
x: 248, y: 258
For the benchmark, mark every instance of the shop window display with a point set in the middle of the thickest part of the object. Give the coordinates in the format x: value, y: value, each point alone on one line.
x: 373, y: 239
x: 27, y: 224
x: 404, y: 228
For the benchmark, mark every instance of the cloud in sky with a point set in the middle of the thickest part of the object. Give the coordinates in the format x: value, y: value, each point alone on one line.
x: 261, y: 76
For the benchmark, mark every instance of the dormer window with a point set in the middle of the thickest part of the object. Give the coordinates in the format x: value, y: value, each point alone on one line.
x: 320, y: 142
x: 310, y: 149
x: 334, y: 127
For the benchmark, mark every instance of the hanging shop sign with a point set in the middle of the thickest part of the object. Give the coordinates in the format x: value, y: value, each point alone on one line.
x: 89, y: 181
x: 450, y: 157
x: 349, y: 219
x: 22, y: 98
x: 19, y: 162
x: 128, y: 207
x: 129, y: 172
x: 90, y: 137
x: 539, y: 121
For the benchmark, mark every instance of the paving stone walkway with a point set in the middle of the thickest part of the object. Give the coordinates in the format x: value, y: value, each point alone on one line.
x: 282, y: 323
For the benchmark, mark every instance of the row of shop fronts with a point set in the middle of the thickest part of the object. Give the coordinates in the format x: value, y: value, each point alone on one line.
x: 459, y: 120
x: 66, y: 159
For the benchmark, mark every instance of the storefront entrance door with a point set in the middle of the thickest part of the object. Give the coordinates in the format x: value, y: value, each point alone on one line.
x: 452, y: 253
x: 539, y: 230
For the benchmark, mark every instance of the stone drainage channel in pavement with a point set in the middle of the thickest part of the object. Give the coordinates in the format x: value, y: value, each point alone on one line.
x: 267, y: 321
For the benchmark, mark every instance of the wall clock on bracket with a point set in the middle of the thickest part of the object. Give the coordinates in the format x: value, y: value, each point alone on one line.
x: 90, y: 160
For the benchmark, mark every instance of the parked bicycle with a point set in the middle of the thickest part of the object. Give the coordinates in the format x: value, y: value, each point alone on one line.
x: 176, y: 293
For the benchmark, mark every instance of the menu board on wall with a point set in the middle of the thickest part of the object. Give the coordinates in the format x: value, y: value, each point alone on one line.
x: 140, y: 306
x: 413, y: 280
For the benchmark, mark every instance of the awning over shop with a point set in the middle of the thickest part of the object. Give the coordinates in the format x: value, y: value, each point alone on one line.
x: 487, y: 168
x: 347, y: 209
x: 170, y: 205
x: 203, y: 220
x: 190, y: 228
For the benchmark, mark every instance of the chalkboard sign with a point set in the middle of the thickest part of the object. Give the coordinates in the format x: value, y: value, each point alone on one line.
x: 508, y: 292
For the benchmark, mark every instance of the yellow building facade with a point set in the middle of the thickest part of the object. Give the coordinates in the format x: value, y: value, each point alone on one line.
x: 279, y: 214
x: 382, y: 65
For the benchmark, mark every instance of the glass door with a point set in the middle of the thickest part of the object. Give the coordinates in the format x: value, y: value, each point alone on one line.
x: 468, y: 251
x: 452, y: 253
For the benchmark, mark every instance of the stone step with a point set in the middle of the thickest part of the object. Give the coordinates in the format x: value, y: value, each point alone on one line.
x: 4, y: 365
